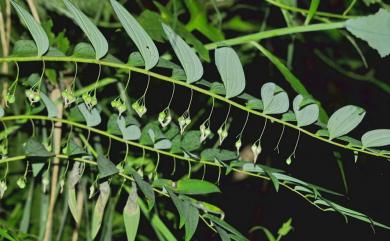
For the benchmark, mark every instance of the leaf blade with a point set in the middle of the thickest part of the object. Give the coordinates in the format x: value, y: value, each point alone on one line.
x: 139, y: 36
x: 231, y: 71
x: 94, y: 35
x: 39, y: 35
x: 186, y: 55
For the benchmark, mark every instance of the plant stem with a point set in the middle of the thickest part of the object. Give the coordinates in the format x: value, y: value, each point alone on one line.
x: 190, y: 86
x: 275, y: 33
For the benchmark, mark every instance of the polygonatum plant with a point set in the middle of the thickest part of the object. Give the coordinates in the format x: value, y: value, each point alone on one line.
x: 95, y: 155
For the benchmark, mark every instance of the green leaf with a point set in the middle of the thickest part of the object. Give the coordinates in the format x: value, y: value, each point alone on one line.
x: 195, y: 187
x: 131, y: 132
x: 275, y: 100
x: 286, y: 228
x: 145, y: 187
x: 376, y: 138
x: 186, y: 55
x: 191, y: 141
x: 72, y: 149
x: 24, y: 48
x: 96, y: 38
x: 305, y: 114
x: 223, y: 234
x: 295, y: 83
x: 189, y: 215
x: 34, y: 148
x: 164, y: 144
x: 40, y: 37
x: 230, y: 69
x: 73, y: 179
x: 84, y: 50
x: 131, y: 215
x: 225, y: 225
x: 373, y: 29
x: 217, y: 154
x: 100, y: 206
x: 92, y: 117
x: 141, y: 39
x: 25, y: 222
x: 312, y: 10
x: 50, y: 106
x: 106, y: 167
x: 344, y: 120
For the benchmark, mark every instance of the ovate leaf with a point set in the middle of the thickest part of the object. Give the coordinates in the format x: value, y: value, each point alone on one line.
x: 189, y: 215
x: 73, y: 149
x: 92, y: 117
x: 275, y: 100
x: 376, y: 138
x: 100, y: 206
x: 34, y: 148
x: 374, y: 29
x: 195, y: 187
x: 131, y: 215
x: 24, y: 48
x: 345, y: 120
x: 186, y: 55
x: 36, y: 30
x: 164, y: 144
x: 106, y: 167
x: 73, y: 179
x: 305, y: 114
x: 145, y: 187
x: 230, y: 69
x: 50, y: 106
x: 141, y: 39
x: 96, y: 38
x: 131, y: 132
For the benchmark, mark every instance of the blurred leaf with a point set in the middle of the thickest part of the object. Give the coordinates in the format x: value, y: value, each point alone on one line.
x: 189, y: 215
x: 92, y: 117
x: 25, y: 222
x: 84, y: 50
x: 312, y: 10
x: 34, y: 148
x: 218, y: 154
x: 145, y: 187
x: 195, y: 187
x: 131, y: 215
x: 131, y: 132
x: 373, y: 29
x: 164, y: 144
x: 286, y: 228
x: 72, y: 149
x: 40, y: 38
x: 106, y: 167
x: 24, y: 48
x: 50, y: 106
x: 100, y: 206
x: 231, y: 71
x: 344, y: 120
